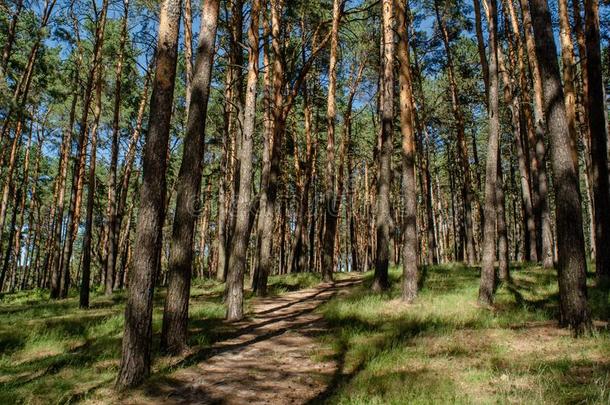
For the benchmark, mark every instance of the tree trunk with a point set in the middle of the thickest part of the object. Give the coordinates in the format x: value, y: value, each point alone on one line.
x: 239, y: 246
x: 271, y: 161
x: 537, y: 144
x: 112, y: 226
x: 137, y: 337
x: 462, y: 148
x: 488, y: 274
x: 410, y: 276
x: 259, y: 283
x: 9, y: 247
x: 572, y: 267
x: 584, y: 117
x: 88, y: 236
x: 188, y: 53
x: 568, y: 64
x: 481, y: 46
x: 79, y: 164
x: 175, y: 313
x: 599, y: 143
x: 503, y: 261
x: 384, y: 218
x: 331, y: 204
x: 54, y: 253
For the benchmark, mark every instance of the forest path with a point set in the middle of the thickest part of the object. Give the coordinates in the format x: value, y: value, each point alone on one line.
x: 268, y: 361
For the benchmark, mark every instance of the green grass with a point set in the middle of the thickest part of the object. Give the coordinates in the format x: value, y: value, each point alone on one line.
x: 445, y: 349
x: 54, y: 352
x: 442, y: 349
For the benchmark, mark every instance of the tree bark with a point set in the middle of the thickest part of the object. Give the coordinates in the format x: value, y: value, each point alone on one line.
x: 137, y: 337
x: 112, y: 226
x: 79, y: 163
x: 481, y: 46
x: 599, y: 143
x: 88, y: 236
x: 572, y: 267
x: 384, y: 218
x: 239, y: 246
x: 537, y: 145
x: 175, y: 313
x: 410, y: 275
x: 488, y: 274
x: 331, y: 204
x: 568, y: 64
x: 462, y: 148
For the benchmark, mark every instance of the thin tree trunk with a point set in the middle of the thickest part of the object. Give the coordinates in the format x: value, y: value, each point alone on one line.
x: 503, y: 260
x: 8, y: 180
x: 239, y: 246
x: 462, y: 148
x: 112, y: 223
x: 599, y: 143
x: 584, y: 117
x: 188, y: 53
x: 410, y: 276
x: 384, y: 219
x: 88, y: 236
x: 537, y: 144
x: 481, y: 46
x: 19, y: 205
x: 9, y: 247
x: 257, y: 277
x: 331, y: 203
x: 488, y: 274
x: 79, y: 164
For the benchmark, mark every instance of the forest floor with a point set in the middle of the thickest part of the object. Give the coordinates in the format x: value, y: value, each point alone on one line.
x: 320, y: 343
x: 267, y: 360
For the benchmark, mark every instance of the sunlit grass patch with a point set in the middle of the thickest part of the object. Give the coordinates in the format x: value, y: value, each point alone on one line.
x: 444, y: 348
x: 54, y: 352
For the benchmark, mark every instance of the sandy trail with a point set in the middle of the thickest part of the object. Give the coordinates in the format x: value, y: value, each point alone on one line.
x: 267, y: 361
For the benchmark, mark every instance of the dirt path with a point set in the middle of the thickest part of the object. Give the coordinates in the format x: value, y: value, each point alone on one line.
x: 267, y: 362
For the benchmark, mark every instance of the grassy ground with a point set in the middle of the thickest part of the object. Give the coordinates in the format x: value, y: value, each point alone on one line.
x: 53, y: 352
x: 442, y: 349
x: 445, y: 349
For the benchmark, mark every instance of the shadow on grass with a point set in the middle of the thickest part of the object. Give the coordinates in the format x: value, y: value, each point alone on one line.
x: 382, y: 337
x: 365, y: 343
